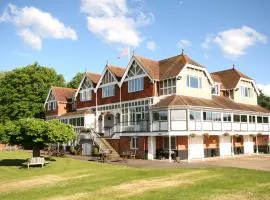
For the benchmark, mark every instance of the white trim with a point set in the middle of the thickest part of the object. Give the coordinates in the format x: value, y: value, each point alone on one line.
x: 47, y: 98
x: 133, y: 58
x: 250, y: 81
x: 198, y: 68
x: 102, y: 76
x: 78, y: 89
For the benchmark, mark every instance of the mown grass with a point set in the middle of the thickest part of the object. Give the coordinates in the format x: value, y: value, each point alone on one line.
x: 67, y: 179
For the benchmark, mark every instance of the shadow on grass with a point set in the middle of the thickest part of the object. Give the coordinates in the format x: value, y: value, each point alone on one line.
x: 12, y: 162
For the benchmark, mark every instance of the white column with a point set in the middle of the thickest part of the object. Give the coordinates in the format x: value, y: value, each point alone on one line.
x: 188, y: 119
x: 151, y: 120
x: 257, y: 149
x: 202, y: 147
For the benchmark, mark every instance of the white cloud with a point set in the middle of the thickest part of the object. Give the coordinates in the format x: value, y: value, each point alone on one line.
x: 265, y: 89
x: 34, y: 25
x: 207, y: 42
x: 235, y: 42
x: 151, y: 45
x: 183, y: 43
x: 112, y: 20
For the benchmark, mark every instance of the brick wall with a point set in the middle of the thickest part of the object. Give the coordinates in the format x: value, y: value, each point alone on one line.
x: 108, y: 100
x: 123, y: 145
x: 147, y: 92
x: 182, y: 142
x: 83, y: 104
x: 262, y: 140
x: 61, y: 108
x: 238, y: 141
x: 211, y: 141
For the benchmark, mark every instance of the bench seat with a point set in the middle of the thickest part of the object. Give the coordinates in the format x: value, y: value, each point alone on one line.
x: 35, y: 161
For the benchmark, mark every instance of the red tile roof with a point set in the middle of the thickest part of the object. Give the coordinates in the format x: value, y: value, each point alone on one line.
x: 166, y: 68
x: 216, y: 102
x: 63, y: 94
x: 117, y: 71
x: 229, y: 78
x: 93, y: 77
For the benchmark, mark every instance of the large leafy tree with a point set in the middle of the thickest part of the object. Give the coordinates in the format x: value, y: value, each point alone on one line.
x: 23, y: 91
x: 75, y: 81
x: 264, y: 101
x: 36, y: 133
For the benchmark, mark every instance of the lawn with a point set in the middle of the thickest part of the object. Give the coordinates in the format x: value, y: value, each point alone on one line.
x: 65, y: 179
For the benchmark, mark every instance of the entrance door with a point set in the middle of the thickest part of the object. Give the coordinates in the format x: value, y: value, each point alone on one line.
x: 196, y: 147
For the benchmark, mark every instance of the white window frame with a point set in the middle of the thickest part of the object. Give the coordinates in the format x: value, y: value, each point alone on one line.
x: 86, y: 95
x: 135, y: 85
x: 166, y: 89
x: 216, y: 88
x: 199, y: 79
x: 245, y: 92
x: 195, y: 112
x: 108, y: 91
x: 51, y: 105
x: 134, y: 139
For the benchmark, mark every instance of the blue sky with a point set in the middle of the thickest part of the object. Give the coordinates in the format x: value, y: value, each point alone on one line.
x: 74, y: 35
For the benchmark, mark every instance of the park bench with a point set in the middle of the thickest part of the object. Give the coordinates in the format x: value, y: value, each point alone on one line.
x: 35, y: 161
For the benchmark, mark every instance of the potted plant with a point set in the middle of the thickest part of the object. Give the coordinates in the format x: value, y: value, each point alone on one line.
x: 192, y: 135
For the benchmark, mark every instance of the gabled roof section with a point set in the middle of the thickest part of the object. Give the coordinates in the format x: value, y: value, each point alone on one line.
x: 166, y: 68
x: 117, y: 71
x: 219, y: 102
x: 229, y: 78
x: 63, y: 94
x: 93, y: 77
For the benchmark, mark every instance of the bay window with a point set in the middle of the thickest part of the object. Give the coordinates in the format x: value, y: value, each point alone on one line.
x: 195, y: 115
x: 227, y: 117
x: 167, y: 86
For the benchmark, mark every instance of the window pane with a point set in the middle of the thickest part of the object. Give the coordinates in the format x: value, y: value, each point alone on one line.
x: 243, y: 118
x: 178, y: 115
x: 236, y: 118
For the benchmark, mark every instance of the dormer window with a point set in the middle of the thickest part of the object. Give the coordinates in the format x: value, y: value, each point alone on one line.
x: 246, y: 92
x: 215, y: 89
x: 135, y: 85
x: 51, y: 105
x: 194, y: 82
x: 108, y: 91
x: 85, y: 95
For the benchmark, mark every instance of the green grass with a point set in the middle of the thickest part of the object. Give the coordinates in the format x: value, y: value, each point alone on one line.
x: 67, y: 179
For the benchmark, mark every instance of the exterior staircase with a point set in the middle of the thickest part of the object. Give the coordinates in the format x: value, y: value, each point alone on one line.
x: 103, y: 145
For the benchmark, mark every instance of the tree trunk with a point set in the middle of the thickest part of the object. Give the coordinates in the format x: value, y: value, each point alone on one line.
x: 36, y: 152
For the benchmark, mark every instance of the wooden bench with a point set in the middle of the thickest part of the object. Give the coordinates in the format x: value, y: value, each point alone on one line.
x: 35, y: 161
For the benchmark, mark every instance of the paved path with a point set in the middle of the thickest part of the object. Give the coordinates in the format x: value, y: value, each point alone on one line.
x: 258, y: 162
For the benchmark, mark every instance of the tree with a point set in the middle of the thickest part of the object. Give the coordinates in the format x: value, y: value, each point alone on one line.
x: 75, y: 81
x: 264, y: 101
x: 36, y: 133
x: 23, y: 91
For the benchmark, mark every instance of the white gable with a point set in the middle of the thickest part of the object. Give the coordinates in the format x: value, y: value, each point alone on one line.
x: 86, y: 84
x: 107, y: 78
x: 134, y: 71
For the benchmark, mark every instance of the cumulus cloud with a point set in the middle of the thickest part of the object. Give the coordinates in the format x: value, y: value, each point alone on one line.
x: 114, y: 22
x: 34, y: 25
x: 151, y: 45
x: 265, y: 89
x: 235, y: 42
x: 183, y: 43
